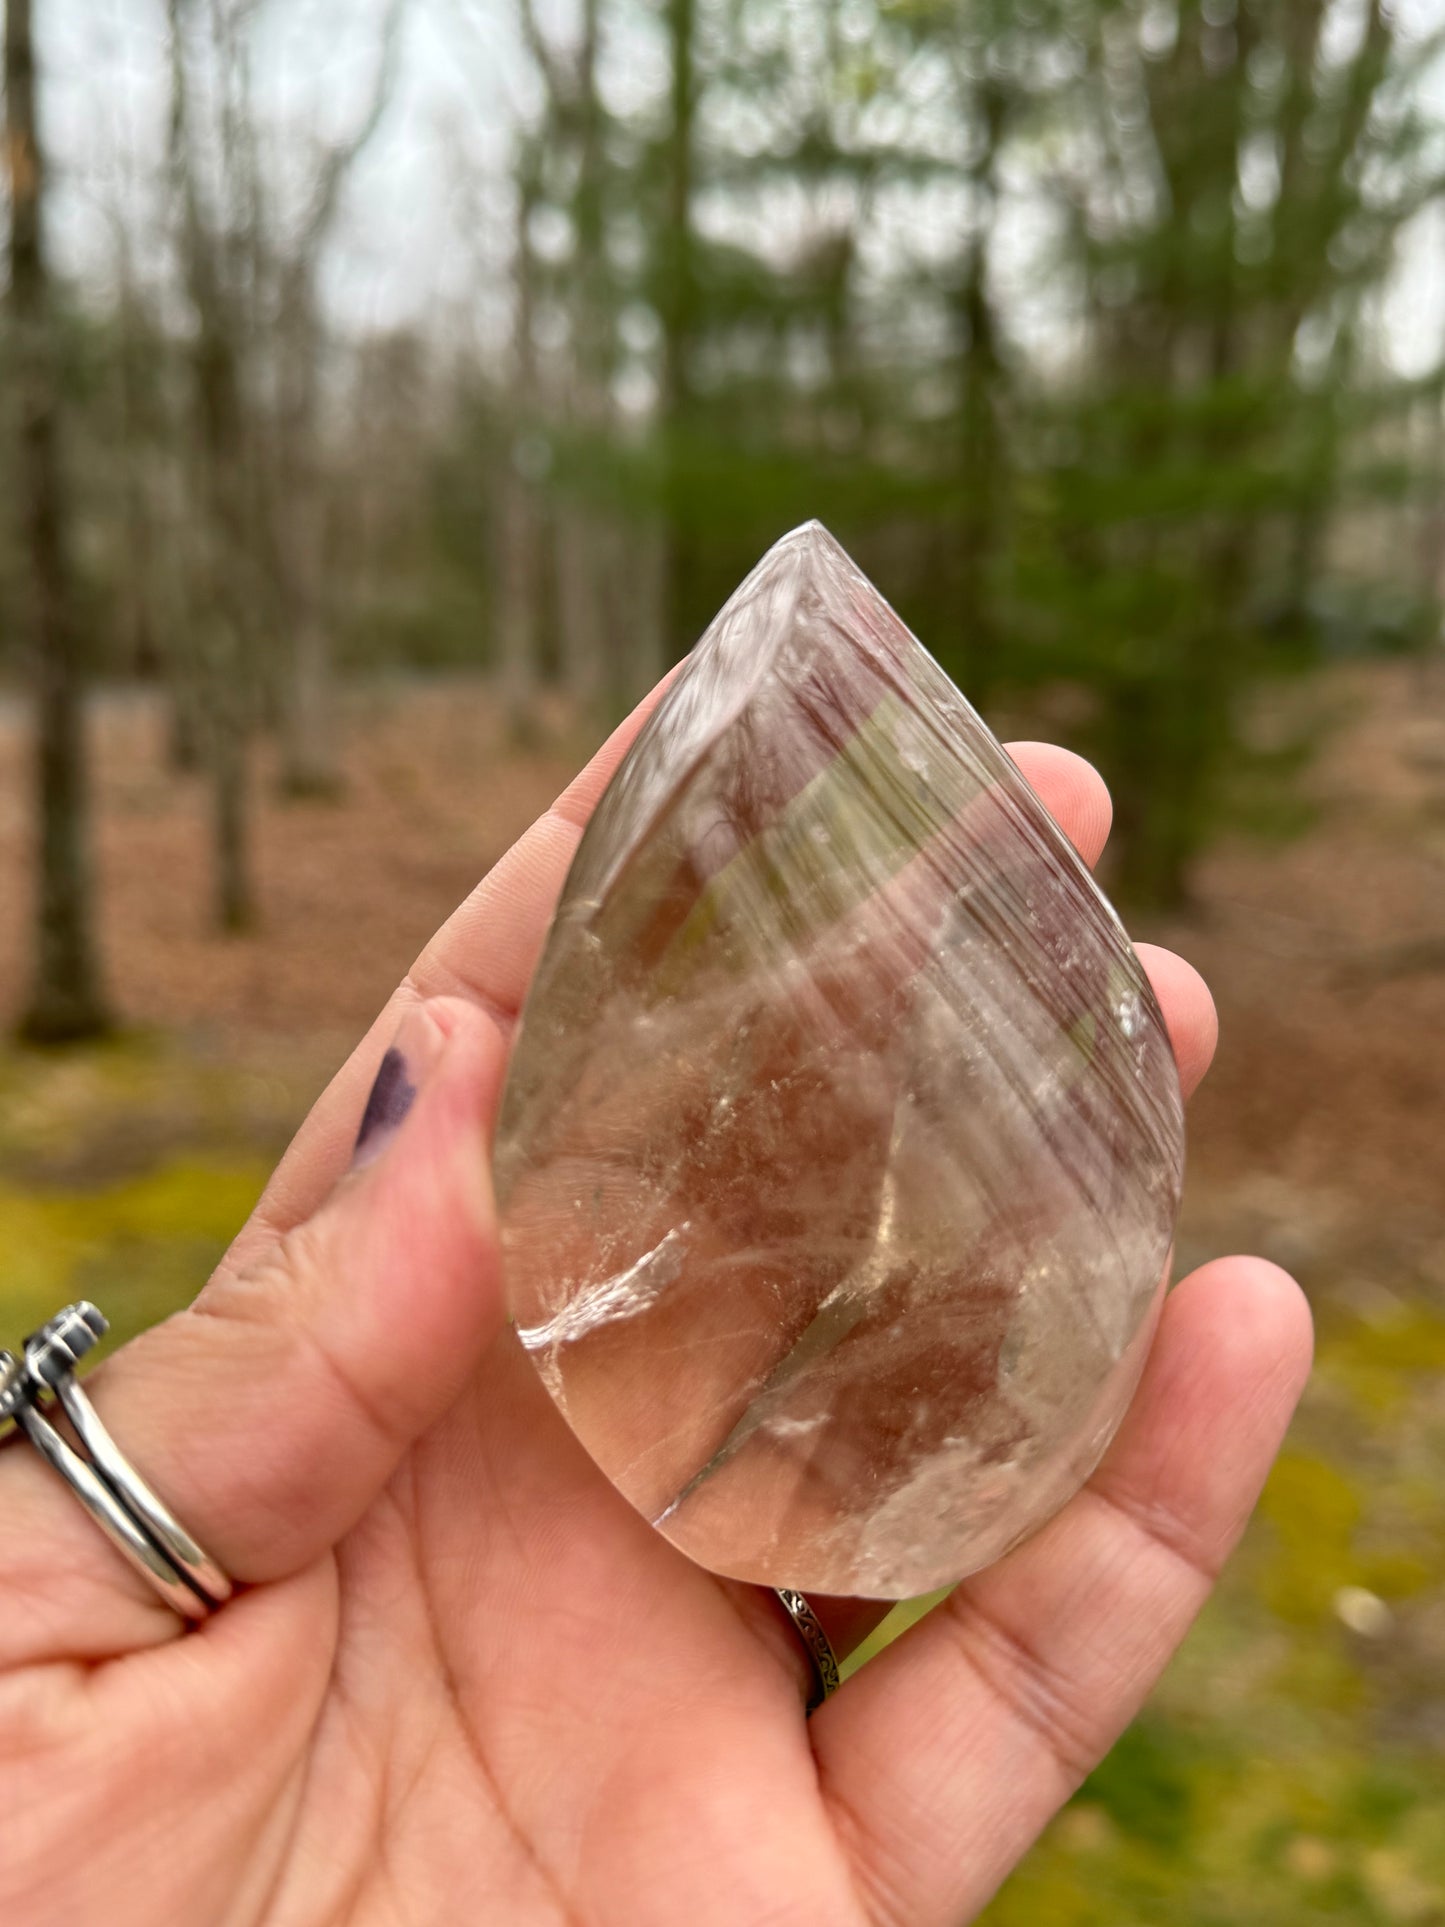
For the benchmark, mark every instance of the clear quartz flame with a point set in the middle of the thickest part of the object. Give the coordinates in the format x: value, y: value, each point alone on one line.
x: 842, y: 1143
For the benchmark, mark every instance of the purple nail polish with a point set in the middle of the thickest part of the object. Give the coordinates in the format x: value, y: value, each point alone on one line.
x: 392, y: 1096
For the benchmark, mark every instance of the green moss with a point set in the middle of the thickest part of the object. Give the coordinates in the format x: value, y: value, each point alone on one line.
x: 140, y: 1248
x: 1412, y: 1342
x: 1313, y: 1510
x: 1377, y: 1363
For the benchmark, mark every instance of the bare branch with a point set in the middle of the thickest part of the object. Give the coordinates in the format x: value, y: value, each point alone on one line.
x: 339, y: 159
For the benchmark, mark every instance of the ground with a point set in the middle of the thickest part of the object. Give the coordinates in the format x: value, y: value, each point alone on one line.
x: 1292, y: 1769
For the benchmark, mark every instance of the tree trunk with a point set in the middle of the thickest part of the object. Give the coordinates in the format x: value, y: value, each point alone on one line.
x: 585, y: 530
x: 518, y: 572
x: 297, y: 518
x: 678, y: 312
x: 519, y: 531
x: 981, y: 458
x: 310, y: 759
x: 643, y: 644
x: 592, y: 306
x: 235, y: 903
x: 1167, y: 736
x: 66, y: 1001
x: 1431, y: 546
x: 223, y: 451
x: 143, y: 647
x: 185, y: 746
x: 227, y: 699
x: 582, y: 604
x: 176, y: 603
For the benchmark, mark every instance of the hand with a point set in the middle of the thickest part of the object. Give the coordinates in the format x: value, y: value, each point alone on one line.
x: 463, y: 1680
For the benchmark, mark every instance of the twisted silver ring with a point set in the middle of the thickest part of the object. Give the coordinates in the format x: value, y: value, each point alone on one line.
x: 136, y: 1520
x: 820, y: 1647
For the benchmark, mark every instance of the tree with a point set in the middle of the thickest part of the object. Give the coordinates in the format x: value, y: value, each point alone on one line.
x: 66, y: 1001
x: 1234, y: 179
x: 297, y: 501
x: 518, y: 518
x: 212, y: 256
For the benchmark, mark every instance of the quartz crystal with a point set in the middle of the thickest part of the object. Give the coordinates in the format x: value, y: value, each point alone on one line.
x: 842, y: 1143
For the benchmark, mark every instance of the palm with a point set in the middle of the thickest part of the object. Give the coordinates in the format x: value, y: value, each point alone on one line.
x: 512, y: 1660
x: 553, y: 1667
x: 466, y: 1681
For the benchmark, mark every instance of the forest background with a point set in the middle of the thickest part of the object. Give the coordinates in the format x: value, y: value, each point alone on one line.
x: 392, y: 388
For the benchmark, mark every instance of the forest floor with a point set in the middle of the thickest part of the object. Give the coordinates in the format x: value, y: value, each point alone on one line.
x: 1292, y: 1770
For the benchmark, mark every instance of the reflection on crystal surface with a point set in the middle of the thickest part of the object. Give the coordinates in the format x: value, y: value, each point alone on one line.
x: 842, y: 1142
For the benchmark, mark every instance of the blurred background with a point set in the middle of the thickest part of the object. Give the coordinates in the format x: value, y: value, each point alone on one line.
x: 391, y: 390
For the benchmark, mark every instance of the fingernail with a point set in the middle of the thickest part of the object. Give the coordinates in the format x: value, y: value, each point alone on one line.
x: 400, y: 1076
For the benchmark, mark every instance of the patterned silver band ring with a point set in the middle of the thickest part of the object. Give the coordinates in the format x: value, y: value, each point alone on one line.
x: 820, y: 1647
x: 138, y: 1523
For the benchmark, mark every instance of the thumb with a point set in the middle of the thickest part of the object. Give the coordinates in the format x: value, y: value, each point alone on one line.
x: 272, y: 1411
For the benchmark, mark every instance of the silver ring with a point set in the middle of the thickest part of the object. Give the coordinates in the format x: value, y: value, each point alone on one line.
x: 133, y: 1517
x: 820, y: 1648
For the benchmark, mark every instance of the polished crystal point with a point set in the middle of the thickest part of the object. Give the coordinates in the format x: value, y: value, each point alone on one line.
x: 842, y: 1144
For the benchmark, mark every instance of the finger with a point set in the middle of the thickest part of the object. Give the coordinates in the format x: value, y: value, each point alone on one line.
x: 1077, y: 798
x: 1071, y: 790
x: 271, y: 1412
x: 1188, y: 1009
x: 944, y: 1758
